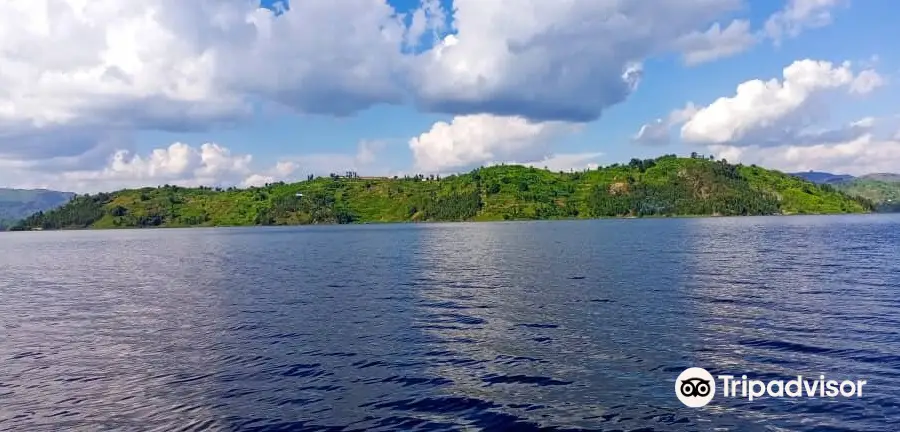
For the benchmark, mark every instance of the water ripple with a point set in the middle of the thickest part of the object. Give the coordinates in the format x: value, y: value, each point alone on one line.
x: 563, y: 326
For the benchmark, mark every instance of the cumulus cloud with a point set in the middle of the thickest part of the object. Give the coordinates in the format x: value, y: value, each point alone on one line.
x: 716, y: 42
x: 468, y: 141
x: 170, y: 64
x: 79, y: 78
x: 773, y: 112
x: 657, y: 131
x: 282, y: 171
x: 75, y: 74
x: 179, y: 164
x: 157, y: 62
x: 551, y: 60
x: 861, y: 155
x: 565, y: 161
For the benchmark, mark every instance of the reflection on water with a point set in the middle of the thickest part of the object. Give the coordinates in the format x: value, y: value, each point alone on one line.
x: 807, y: 299
x: 102, y: 333
x: 494, y: 326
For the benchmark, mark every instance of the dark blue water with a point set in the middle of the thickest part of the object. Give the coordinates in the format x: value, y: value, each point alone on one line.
x: 490, y: 326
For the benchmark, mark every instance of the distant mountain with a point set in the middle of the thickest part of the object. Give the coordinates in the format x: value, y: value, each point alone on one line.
x: 881, y: 189
x: 16, y: 204
x: 823, y: 177
x: 883, y: 177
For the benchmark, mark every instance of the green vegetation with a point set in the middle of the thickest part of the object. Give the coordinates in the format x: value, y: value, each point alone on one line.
x: 666, y: 186
x: 16, y: 204
x: 882, y: 189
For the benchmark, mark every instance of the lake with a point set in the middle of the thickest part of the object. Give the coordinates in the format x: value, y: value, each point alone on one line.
x: 575, y: 325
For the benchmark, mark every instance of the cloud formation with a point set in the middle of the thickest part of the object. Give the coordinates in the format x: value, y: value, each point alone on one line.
x: 78, y: 79
x: 565, y: 161
x: 551, y: 60
x: 179, y: 164
x: 73, y: 73
x: 800, y: 15
x: 470, y: 141
x: 860, y: 155
x: 657, y: 132
x: 716, y: 42
x: 773, y: 112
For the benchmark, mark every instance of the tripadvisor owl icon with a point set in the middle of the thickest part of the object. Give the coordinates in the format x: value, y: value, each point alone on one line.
x: 695, y: 387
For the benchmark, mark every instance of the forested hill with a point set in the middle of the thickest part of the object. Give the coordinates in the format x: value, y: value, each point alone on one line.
x: 666, y: 186
x: 881, y: 189
x: 16, y: 204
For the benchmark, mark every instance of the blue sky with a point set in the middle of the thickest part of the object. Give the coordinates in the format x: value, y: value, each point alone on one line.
x: 667, y: 84
x: 314, y: 139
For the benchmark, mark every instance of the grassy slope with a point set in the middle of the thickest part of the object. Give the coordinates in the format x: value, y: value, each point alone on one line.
x: 885, y: 194
x: 798, y: 196
x: 662, y: 187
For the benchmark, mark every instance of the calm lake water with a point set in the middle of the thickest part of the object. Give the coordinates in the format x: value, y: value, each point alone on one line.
x: 580, y: 325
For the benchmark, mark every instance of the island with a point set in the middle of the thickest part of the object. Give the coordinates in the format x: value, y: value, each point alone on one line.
x: 661, y: 187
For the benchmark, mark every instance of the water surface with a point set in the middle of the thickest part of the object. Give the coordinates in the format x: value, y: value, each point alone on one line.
x: 580, y: 325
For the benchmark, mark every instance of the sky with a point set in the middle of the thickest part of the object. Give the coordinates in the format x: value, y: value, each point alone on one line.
x: 99, y: 95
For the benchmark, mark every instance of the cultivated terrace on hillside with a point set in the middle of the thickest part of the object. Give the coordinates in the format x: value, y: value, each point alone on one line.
x: 666, y: 186
x: 882, y: 189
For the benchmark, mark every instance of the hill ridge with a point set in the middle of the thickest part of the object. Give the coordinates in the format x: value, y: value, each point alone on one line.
x: 16, y: 204
x: 665, y: 186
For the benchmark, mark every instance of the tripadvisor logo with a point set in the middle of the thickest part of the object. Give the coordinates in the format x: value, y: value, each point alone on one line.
x: 695, y: 387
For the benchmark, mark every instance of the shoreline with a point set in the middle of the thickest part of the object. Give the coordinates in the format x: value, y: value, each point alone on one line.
x: 652, y: 217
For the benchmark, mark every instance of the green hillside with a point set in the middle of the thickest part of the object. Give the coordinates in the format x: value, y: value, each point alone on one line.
x: 882, y: 189
x: 16, y: 204
x: 666, y: 186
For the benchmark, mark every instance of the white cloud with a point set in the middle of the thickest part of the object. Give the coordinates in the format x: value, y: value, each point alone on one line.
x: 657, y: 131
x: 75, y: 62
x: 551, y: 60
x: 179, y: 164
x: 283, y: 171
x: 171, y: 64
x: 799, y: 15
x: 76, y: 75
x: 369, y: 159
x: 79, y: 78
x: 565, y: 161
x: 866, y: 82
x: 716, y: 42
x: 862, y: 155
x: 472, y: 140
x: 772, y: 112
x: 257, y: 180
x: 860, y: 147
